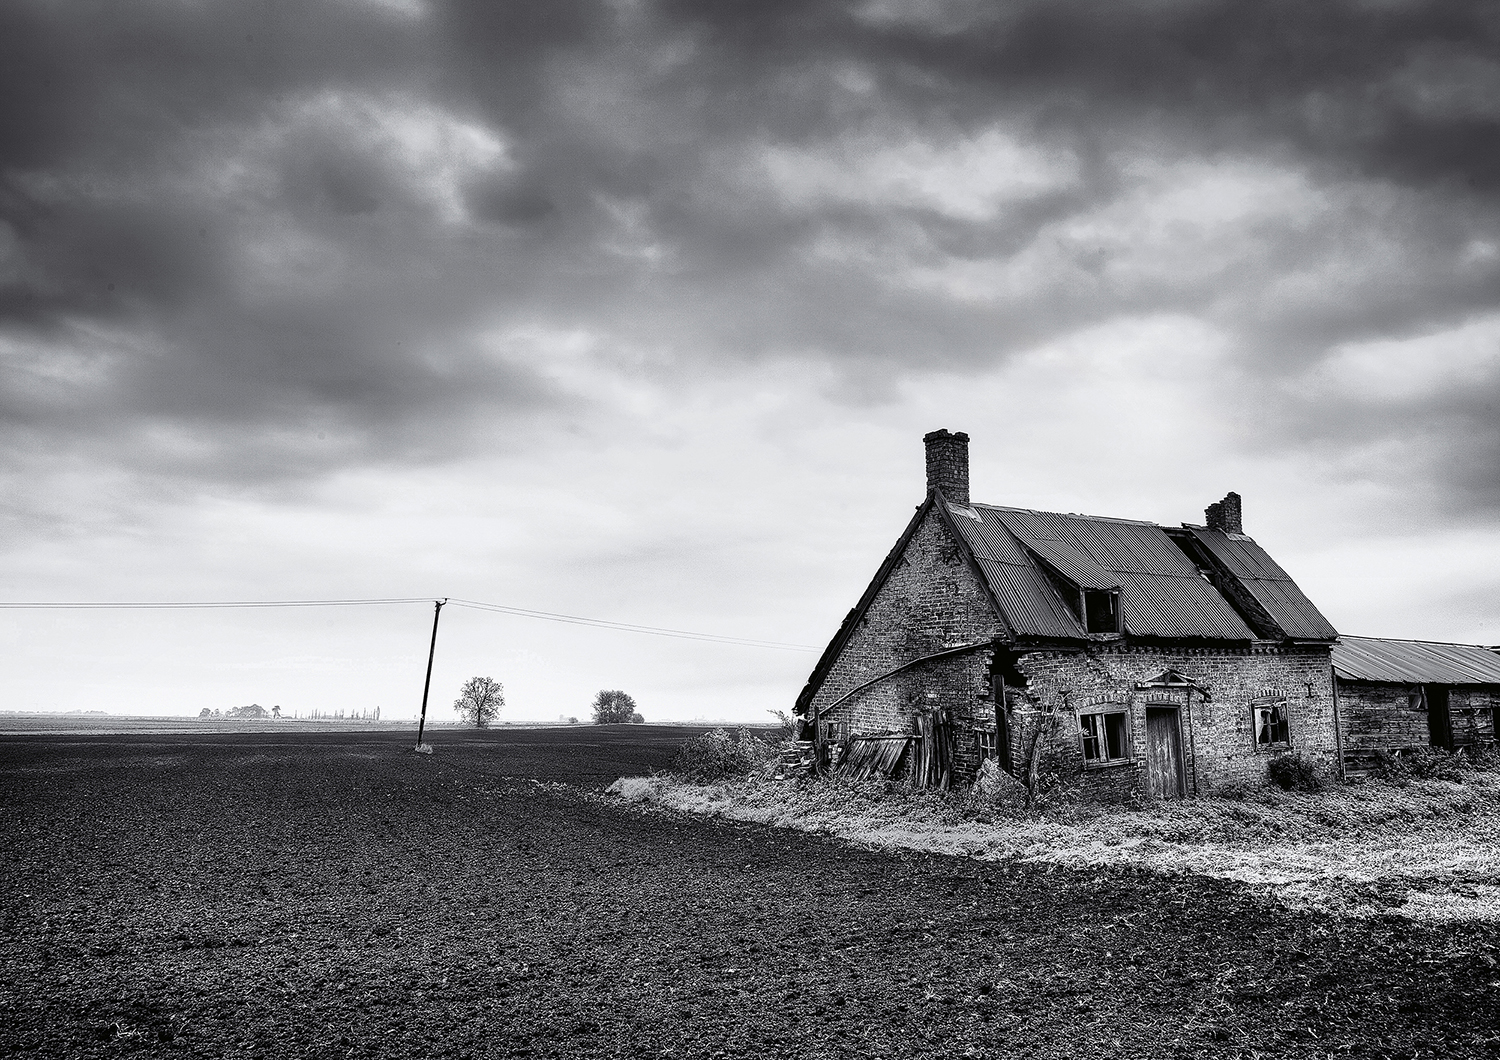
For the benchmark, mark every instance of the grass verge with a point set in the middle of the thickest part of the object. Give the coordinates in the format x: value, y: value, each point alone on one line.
x: 1426, y: 849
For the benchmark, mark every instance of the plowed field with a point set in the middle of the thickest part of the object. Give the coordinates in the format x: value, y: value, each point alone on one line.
x: 333, y: 894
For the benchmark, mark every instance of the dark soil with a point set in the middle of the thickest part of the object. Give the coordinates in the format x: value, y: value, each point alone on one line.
x: 335, y: 894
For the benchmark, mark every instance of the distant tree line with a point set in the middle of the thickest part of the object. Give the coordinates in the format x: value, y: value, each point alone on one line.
x: 255, y: 710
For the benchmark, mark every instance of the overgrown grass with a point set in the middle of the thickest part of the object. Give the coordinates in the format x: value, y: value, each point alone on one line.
x: 1425, y: 763
x: 1425, y: 847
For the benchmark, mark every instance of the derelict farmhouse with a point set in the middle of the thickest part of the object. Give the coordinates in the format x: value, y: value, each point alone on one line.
x: 1127, y: 658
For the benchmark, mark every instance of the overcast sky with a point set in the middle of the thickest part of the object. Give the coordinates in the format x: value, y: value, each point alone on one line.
x: 639, y: 310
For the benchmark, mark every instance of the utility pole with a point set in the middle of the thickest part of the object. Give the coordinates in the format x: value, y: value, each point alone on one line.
x: 437, y: 612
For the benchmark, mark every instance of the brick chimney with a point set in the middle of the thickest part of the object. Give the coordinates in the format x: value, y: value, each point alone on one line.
x: 948, y: 464
x: 1225, y: 515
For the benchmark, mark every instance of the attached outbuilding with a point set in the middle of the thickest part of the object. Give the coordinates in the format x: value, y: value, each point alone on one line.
x: 1399, y: 695
x: 1119, y: 656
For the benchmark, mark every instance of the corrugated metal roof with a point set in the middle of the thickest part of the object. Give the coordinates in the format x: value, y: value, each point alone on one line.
x: 1271, y: 586
x: 1415, y: 662
x: 1028, y: 601
x: 1162, y: 593
x: 1160, y: 605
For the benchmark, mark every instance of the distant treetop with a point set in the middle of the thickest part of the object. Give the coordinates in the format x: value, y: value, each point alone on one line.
x: 613, y: 707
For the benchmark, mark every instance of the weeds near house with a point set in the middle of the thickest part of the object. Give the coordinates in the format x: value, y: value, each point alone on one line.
x: 1430, y: 763
x: 720, y: 755
x: 1294, y: 773
x: 788, y: 724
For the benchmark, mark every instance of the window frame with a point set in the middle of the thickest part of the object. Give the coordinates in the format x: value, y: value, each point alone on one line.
x: 1115, y: 611
x: 1101, y: 736
x: 1282, y: 704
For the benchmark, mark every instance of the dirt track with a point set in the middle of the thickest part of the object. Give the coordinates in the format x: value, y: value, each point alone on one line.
x: 338, y: 895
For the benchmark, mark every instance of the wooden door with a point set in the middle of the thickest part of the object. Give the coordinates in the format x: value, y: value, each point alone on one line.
x: 1163, y: 753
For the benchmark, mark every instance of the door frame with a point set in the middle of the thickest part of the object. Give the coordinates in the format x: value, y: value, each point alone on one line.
x: 1173, y: 712
x: 1435, y: 699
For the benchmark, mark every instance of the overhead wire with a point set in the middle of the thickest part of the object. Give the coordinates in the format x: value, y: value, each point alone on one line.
x: 171, y: 604
x: 476, y: 605
x: 629, y: 627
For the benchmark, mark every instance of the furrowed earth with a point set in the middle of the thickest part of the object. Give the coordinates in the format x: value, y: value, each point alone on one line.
x: 329, y: 893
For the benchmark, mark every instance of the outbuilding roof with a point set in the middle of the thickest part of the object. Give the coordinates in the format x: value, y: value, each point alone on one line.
x: 1415, y: 662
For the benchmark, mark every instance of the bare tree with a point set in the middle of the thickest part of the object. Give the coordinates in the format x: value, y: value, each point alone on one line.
x: 1046, y: 726
x: 480, y: 701
x: 613, y: 707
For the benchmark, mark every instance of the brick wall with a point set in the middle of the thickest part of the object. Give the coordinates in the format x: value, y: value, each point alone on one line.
x: 948, y: 464
x: 931, y: 601
x: 1218, y: 739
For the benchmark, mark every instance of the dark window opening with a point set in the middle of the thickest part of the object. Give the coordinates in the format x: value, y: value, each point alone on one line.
x: 1101, y: 610
x: 1271, y: 728
x: 1104, y: 737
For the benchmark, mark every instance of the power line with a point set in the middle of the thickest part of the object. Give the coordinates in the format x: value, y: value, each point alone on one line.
x: 628, y: 627
x: 477, y: 605
x: 101, y: 605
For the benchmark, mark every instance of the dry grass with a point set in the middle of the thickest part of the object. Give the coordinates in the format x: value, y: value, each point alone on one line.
x: 1428, y: 849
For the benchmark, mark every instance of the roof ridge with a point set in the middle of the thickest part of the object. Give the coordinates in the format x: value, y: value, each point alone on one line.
x: 1416, y: 640
x: 1068, y: 515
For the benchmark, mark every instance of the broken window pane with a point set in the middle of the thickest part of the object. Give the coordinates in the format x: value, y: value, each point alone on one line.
x: 1090, y: 728
x: 1104, y: 736
x: 1114, y: 735
x: 1271, y: 729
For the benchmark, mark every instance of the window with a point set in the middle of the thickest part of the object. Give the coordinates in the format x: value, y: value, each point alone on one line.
x: 1271, y: 728
x: 1101, y: 610
x: 1104, y: 737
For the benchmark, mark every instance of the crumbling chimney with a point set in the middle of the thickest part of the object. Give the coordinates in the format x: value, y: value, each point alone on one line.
x: 1225, y: 515
x: 948, y: 464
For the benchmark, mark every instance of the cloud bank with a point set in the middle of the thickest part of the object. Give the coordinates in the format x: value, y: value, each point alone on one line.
x: 248, y: 251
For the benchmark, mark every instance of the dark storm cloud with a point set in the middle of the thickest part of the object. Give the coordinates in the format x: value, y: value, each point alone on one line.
x: 255, y: 217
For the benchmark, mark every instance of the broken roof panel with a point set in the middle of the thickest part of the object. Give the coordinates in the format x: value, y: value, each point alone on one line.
x: 1028, y: 601
x: 1162, y: 593
x: 1415, y: 662
x: 1129, y: 545
x: 1264, y: 579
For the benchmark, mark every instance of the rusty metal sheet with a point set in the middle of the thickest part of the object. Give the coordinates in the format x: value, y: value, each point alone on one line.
x: 1028, y: 600
x: 1136, y: 546
x: 991, y: 540
x: 1162, y: 593
x: 1415, y: 661
x: 1077, y: 566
